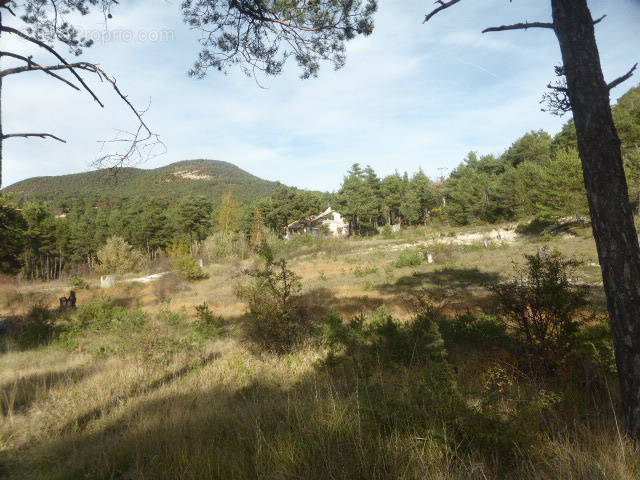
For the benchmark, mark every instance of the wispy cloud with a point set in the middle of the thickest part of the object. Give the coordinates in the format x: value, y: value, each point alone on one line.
x: 410, y: 96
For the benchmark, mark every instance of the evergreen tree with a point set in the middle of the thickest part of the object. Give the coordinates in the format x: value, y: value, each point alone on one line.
x: 12, y: 241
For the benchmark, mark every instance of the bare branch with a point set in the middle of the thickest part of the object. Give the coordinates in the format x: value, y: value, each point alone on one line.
x: 28, y: 135
x: 623, y: 78
x: 56, y: 54
x: 32, y: 66
x: 595, y: 22
x: 142, y: 143
x: 6, y: 6
x: 519, y: 26
x: 443, y: 5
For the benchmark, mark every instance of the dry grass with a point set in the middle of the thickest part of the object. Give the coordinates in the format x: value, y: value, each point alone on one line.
x: 165, y: 403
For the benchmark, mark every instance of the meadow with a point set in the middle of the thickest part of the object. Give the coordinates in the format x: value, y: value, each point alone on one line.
x: 400, y: 369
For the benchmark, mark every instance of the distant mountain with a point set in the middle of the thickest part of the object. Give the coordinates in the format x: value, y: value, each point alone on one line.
x: 211, y: 178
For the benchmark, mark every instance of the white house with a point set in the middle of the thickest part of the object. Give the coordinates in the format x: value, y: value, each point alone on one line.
x: 329, y: 223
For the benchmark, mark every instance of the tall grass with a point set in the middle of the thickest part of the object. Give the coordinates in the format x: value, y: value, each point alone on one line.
x: 167, y: 390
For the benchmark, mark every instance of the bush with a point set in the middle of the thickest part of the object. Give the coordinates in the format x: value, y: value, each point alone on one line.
x: 469, y: 329
x: 593, y: 357
x: 223, y: 246
x: 276, y: 322
x: 36, y: 328
x: 363, y: 271
x: 381, y: 338
x: 78, y: 283
x: 409, y: 258
x: 536, y: 226
x: 386, y: 232
x: 185, y: 264
x: 105, y: 314
x: 189, y: 269
x: 117, y: 256
x: 169, y: 317
x: 207, y: 324
x: 542, y: 305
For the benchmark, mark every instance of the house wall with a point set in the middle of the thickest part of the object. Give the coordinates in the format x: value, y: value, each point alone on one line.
x: 336, y: 225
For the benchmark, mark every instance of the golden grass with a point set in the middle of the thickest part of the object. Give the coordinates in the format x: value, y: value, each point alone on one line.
x: 156, y: 408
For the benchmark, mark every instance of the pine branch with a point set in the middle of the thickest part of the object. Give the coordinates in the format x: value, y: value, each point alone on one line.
x: 29, y: 135
x: 623, y: 78
x: 519, y: 26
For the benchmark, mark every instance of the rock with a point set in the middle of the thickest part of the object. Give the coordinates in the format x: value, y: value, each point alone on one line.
x: 108, y: 281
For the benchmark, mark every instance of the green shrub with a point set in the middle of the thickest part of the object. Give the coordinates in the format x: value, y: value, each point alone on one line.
x: 381, y: 338
x: 207, y: 324
x: 409, y: 258
x: 105, y: 314
x: 593, y: 357
x: 188, y: 268
x: 542, y: 305
x: 226, y: 245
x: 78, y: 283
x: 174, y: 319
x: 466, y: 328
x: 35, y: 329
x: 117, y: 256
x: 276, y: 322
x: 536, y: 226
x: 363, y: 271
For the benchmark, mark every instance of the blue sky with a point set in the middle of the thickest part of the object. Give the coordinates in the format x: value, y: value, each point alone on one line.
x: 411, y: 95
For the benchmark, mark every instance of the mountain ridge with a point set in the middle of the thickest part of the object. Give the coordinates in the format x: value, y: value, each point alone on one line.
x: 210, y: 178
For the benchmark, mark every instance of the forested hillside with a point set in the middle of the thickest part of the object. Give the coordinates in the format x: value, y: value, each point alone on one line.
x: 210, y: 178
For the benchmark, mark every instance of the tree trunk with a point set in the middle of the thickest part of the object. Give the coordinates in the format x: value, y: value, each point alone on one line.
x: 1, y: 132
x: 604, y: 177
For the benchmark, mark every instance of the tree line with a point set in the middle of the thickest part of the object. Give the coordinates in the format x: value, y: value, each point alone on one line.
x: 539, y: 175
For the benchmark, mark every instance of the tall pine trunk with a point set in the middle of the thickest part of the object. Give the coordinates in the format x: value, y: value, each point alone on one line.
x: 604, y: 177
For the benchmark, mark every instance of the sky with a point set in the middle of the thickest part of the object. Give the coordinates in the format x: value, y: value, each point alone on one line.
x: 411, y: 95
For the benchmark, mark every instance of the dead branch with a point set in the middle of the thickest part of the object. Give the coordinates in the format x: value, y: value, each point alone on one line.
x: 28, y: 135
x: 519, y: 26
x: 5, y: 5
x: 32, y: 66
x: 443, y: 5
x: 595, y: 22
x: 54, y: 53
x: 142, y: 142
x: 623, y: 78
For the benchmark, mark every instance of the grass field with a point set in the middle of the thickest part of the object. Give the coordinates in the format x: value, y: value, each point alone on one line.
x: 135, y: 384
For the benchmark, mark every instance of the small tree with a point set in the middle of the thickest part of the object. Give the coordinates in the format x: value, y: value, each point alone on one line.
x: 117, y: 256
x: 271, y: 297
x: 542, y: 305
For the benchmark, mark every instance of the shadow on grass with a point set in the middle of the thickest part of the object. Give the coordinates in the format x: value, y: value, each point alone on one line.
x: 336, y: 420
x: 319, y: 301
x: 330, y: 423
x: 19, y: 394
x: 449, y: 278
x: 80, y: 422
